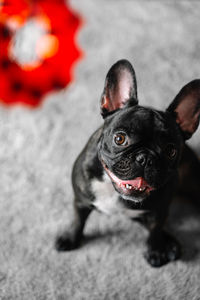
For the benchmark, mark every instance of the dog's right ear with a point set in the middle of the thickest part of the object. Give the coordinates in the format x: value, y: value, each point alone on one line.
x: 120, y: 88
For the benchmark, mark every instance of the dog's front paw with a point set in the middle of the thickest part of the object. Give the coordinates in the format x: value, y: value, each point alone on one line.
x: 155, y: 258
x: 66, y: 243
x: 167, y: 250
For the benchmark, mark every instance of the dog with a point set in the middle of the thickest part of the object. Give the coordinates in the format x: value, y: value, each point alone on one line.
x: 131, y: 164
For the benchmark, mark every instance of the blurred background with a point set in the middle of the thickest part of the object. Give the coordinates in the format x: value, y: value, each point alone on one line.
x: 54, y: 56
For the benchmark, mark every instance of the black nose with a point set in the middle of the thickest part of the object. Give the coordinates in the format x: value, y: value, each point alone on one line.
x: 141, y: 158
x: 144, y: 159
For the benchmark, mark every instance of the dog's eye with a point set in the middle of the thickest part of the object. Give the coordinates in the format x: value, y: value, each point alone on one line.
x: 171, y: 151
x: 120, y: 138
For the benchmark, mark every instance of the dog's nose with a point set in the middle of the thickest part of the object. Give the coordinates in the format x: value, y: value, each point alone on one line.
x: 144, y: 160
x: 141, y: 159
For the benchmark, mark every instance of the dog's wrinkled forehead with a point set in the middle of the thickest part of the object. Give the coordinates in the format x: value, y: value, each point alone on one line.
x: 139, y: 120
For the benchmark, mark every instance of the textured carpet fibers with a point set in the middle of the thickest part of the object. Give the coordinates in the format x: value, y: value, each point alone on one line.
x: 38, y: 148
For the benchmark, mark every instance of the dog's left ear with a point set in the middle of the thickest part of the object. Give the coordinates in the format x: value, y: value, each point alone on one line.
x: 186, y: 106
x: 120, y: 88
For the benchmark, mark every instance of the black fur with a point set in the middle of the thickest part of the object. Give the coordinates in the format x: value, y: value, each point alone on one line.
x: 154, y: 152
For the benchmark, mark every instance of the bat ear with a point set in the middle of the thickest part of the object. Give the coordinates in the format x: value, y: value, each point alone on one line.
x: 120, y: 88
x: 186, y: 106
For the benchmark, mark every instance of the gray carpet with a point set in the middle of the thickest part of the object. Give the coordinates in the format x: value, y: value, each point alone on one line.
x: 38, y: 148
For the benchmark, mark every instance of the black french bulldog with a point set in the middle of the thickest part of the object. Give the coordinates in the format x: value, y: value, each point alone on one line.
x: 131, y: 163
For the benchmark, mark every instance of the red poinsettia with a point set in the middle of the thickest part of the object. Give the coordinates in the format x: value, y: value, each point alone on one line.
x: 37, y: 49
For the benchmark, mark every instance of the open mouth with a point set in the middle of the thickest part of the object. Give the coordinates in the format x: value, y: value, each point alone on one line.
x: 136, y: 187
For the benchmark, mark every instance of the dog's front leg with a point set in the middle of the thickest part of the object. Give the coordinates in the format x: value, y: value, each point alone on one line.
x: 71, y: 238
x: 161, y: 246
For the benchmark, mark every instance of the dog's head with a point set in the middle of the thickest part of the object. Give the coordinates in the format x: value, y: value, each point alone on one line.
x: 140, y: 147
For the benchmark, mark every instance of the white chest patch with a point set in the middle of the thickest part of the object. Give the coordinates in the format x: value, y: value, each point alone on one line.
x: 107, y: 199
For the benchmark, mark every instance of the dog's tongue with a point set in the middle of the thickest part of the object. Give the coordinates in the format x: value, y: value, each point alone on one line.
x: 138, y: 182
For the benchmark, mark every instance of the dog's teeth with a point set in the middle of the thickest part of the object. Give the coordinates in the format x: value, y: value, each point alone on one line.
x: 128, y: 186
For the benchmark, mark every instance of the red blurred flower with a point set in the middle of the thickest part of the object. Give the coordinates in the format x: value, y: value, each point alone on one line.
x: 37, y: 49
